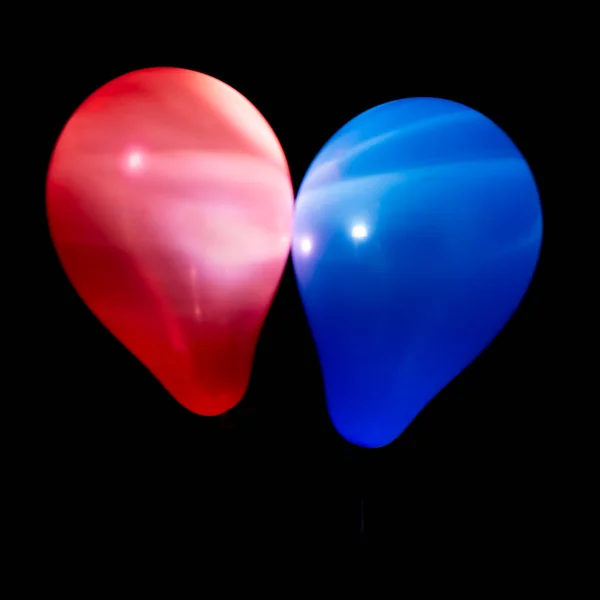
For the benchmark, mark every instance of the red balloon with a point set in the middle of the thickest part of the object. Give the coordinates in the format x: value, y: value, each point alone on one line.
x: 170, y: 204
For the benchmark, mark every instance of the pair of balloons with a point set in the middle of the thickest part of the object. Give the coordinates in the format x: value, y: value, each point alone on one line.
x: 415, y: 234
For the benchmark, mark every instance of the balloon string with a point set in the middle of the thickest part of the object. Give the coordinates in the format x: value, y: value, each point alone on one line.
x: 362, y: 517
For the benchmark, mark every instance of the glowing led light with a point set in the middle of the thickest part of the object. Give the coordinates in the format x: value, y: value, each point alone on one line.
x: 306, y: 245
x: 135, y: 160
x: 359, y: 232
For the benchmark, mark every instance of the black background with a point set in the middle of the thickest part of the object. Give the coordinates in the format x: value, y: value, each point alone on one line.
x: 125, y: 464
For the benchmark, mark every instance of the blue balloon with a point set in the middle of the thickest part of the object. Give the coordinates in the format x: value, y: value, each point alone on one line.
x: 417, y: 232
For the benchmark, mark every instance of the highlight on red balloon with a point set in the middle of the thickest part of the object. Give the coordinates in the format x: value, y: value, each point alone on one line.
x: 170, y: 204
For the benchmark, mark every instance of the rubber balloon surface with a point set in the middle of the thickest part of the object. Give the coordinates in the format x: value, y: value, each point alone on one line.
x: 170, y: 205
x: 417, y: 231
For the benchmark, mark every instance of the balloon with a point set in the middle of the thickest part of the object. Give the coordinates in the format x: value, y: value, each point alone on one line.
x: 170, y: 205
x: 417, y: 231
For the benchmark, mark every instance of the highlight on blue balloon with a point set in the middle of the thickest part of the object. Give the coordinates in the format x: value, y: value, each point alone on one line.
x: 417, y: 232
